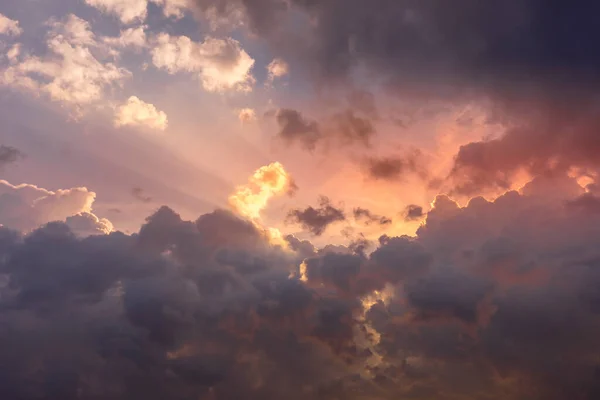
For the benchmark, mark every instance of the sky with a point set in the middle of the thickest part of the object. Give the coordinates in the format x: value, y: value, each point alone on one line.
x: 300, y: 199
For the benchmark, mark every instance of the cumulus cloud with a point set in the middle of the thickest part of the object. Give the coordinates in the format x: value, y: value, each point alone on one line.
x: 294, y: 127
x: 25, y: 207
x: 485, y: 298
x: 220, y: 64
x: 136, y: 112
x: 70, y: 73
x: 316, y: 220
x: 9, y: 26
x: 128, y: 11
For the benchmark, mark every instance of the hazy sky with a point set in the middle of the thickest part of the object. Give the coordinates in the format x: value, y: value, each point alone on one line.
x: 299, y: 199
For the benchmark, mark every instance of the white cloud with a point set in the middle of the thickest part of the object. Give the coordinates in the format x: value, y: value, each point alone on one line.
x: 131, y: 37
x: 25, y: 207
x: 70, y: 73
x: 9, y: 26
x: 136, y: 112
x: 128, y: 11
x: 173, y: 8
x: 221, y: 64
x: 247, y: 115
x: 277, y: 68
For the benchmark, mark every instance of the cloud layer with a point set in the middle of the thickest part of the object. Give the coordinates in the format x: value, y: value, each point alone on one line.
x: 482, y: 303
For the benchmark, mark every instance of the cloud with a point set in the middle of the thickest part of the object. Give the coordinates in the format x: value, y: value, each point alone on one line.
x: 247, y: 115
x: 221, y: 64
x: 484, y: 299
x: 393, y: 168
x: 138, y: 193
x: 367, y: 217
x: 316, y: 220
x: 9, y: 155
x: 25, y: 207
x: 70, y: 73
x: 251, y: 199
x: 413, y: 212
x: 294, y: 127
x: 87, y: 224
x: 136, y: 112
x: 9, y: 26
x: 128, y: 11
x: 173, y: 8
x: 130, y: 37
x: 539, y: 93
x: 277, y: 68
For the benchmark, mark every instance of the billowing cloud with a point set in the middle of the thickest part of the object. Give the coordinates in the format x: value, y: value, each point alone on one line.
x: 221, y: 64
x: 25, y: 207
x: 136, y: 112
x: 483, y: 300
x: 316, y: 220
x: 9, y: 155
x: 9, y: 26
x: 128, y: 11
x: 70, y: 72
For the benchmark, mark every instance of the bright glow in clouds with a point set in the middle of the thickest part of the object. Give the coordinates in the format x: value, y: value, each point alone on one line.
x: 136, y: 112
x: 127, y: 11
x: 268, y: 181
x: 69, y: 73
x: 250, y: 199
x: 221, y: 64
x: 9, y: 26
x: 247, y: 115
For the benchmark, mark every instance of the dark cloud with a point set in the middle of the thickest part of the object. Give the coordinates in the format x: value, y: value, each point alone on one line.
x: 367, y: 217
x: 393, y: 168
x: 140, y: 195
x: 294, y: 127
x: 495, y: 300
x: 9, y: 155
x: 316, y: 220
x: 531, y: 65
x: 344, y: 128
x: 413, y: 212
